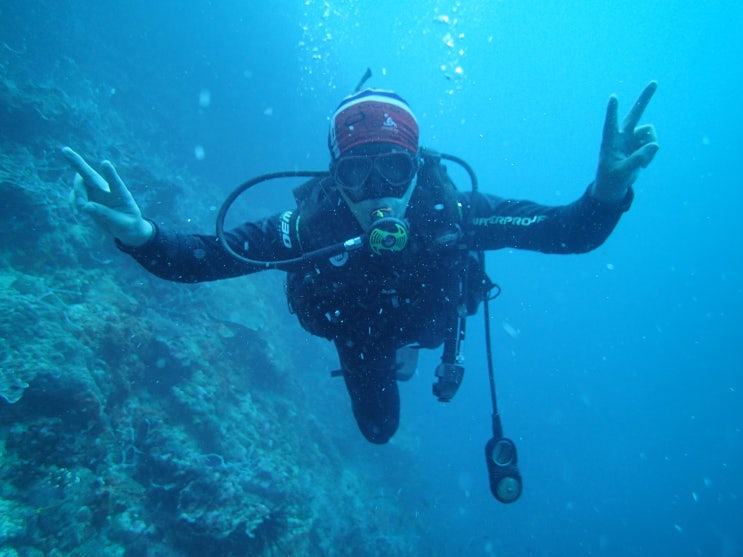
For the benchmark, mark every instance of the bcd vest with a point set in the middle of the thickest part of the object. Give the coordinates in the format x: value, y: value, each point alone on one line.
x: 411, y: 296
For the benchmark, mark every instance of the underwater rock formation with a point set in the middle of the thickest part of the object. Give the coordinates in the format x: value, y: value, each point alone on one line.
x: 139, y: 417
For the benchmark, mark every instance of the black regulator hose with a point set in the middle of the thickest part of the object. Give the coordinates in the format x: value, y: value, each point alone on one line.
x: 464, y: 164
x: 284, y: 264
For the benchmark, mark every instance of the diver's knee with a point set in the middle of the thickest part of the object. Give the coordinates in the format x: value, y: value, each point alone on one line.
x: 379, y: 434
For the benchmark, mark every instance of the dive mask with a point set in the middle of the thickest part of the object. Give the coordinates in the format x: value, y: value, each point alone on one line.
x: 371, y: 184
x: 396, y: 170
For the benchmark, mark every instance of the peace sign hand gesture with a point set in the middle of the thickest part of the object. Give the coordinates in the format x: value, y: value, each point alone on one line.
x: 625, y: 149
x: 108, y: 201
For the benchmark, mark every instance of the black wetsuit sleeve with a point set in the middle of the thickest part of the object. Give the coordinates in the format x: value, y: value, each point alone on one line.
x: 494, y: 223
x: 198, y: 258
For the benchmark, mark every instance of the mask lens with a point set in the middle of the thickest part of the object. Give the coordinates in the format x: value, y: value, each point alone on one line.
x: 352, y: 172
x: 397, y: 168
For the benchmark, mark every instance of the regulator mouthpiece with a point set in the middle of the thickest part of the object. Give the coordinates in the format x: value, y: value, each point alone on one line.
x: 387, y: 234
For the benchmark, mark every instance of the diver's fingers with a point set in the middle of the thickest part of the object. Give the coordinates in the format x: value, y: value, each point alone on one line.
x: 635, y: 113
x: 90, y: 177
x: 119, y: 191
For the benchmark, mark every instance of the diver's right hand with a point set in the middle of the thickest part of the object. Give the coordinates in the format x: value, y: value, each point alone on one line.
x: 108, y: 201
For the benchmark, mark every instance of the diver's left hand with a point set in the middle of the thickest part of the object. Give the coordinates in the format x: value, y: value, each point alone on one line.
x: 625, y: 149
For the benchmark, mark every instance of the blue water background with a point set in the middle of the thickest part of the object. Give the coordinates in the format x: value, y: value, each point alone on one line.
x: 618, y: 372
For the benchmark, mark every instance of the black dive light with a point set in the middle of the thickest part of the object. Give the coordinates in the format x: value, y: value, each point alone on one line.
x: 501, y: 456
x: 503, y: 465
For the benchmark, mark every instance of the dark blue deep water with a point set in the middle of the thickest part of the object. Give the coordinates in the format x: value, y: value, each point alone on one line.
x: 616, y: 370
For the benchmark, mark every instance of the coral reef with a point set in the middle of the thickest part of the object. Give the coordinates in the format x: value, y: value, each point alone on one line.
x: 139, y: 417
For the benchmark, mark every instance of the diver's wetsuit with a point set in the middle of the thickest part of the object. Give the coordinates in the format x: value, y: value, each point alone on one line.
x: 372, y: 305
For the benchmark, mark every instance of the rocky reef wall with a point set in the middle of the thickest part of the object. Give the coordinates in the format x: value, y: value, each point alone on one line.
x: 140, y: 417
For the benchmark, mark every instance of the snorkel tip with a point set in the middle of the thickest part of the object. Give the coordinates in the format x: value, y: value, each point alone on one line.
x: 367, y: 75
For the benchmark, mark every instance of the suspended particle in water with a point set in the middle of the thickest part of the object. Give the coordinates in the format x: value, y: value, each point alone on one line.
x: 510, y: 330
x: 205, y: 98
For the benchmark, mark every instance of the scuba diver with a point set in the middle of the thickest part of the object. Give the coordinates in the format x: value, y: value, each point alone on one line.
x: 380, y: 251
